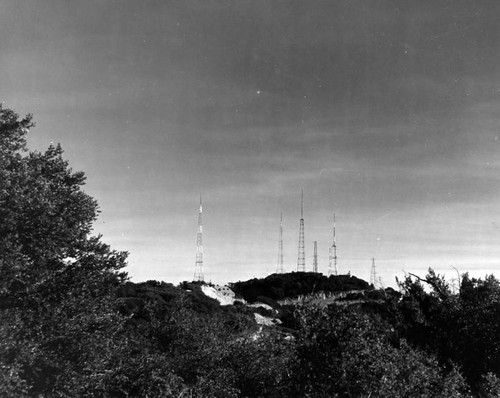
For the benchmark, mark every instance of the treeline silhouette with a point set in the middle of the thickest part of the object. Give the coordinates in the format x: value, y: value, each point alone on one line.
x: 73, y: 325
x: 294, y: 284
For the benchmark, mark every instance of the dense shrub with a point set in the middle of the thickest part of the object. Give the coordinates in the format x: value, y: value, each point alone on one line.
x: 343, y: 351
x: 280, y: 286
x: 462, y: 328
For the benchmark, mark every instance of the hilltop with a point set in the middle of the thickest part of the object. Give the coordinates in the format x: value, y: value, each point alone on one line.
x: 295, y: 284
x: 207, y: 298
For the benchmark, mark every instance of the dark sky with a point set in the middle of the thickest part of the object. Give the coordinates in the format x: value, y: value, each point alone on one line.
x: 384, y: 112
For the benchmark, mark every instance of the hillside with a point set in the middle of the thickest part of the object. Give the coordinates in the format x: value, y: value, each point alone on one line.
x: 294, y: 284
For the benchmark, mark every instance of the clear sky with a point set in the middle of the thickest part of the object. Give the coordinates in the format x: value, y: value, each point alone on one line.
x: 385, y: 112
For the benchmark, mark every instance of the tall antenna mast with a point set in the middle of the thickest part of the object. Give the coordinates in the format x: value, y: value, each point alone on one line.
x: 373, y: 276
x: 279, y: 268
x: 301, y: 262
x: 332, y: 265
x: 315, y: 257
x: 198, y: 269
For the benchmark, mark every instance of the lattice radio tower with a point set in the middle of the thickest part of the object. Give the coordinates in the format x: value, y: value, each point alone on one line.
x: 332, y: 264
x: 279, y: 268
x: 373, y: 275
x: 315, y: 257
x: 301, y: 262
x: 198, y: 269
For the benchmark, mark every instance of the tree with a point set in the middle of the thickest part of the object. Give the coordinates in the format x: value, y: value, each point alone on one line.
x: 346, y: 352
x: 461, y: 328
x: 57, y: 280
x: 45, y: 222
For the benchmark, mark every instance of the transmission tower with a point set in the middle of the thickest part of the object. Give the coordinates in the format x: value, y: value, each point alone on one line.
x: 198, y: 269
x: 279, y: 268
x: 301, y: 262
x: 332, y: 265
x: 373, y: 276
x: 315, y: 257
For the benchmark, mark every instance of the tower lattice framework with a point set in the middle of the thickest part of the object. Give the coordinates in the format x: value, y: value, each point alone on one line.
x: 315, y: 257
x: 332, y: 264
x: 373, y: 274
x: 301, y: 261
x: 279, y: 268
x: 198, y: 270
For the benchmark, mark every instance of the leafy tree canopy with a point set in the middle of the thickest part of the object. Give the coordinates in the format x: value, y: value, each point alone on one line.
x: 290, y: 285
x: 56, y: 278
x: 45, y: 223
x: 460, y: 328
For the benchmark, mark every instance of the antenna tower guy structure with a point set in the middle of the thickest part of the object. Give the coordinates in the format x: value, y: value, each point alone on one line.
x: 279, y: 268
x: 373, y: 276
x: 198, y: 269
x: 315, y: 257
x: 332, y: 265
x: 301, y: 261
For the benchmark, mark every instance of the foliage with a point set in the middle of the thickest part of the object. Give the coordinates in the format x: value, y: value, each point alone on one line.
x: 345, y: 352
x: 45, y: 221
x: 490, y: 386
x: 280, y: 286
x: 71, y: 324
x: 57, y: 280
x: 220, y: 354
x: 461, y: 328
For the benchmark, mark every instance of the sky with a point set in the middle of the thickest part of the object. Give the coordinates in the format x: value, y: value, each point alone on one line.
x: 385, y: 113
